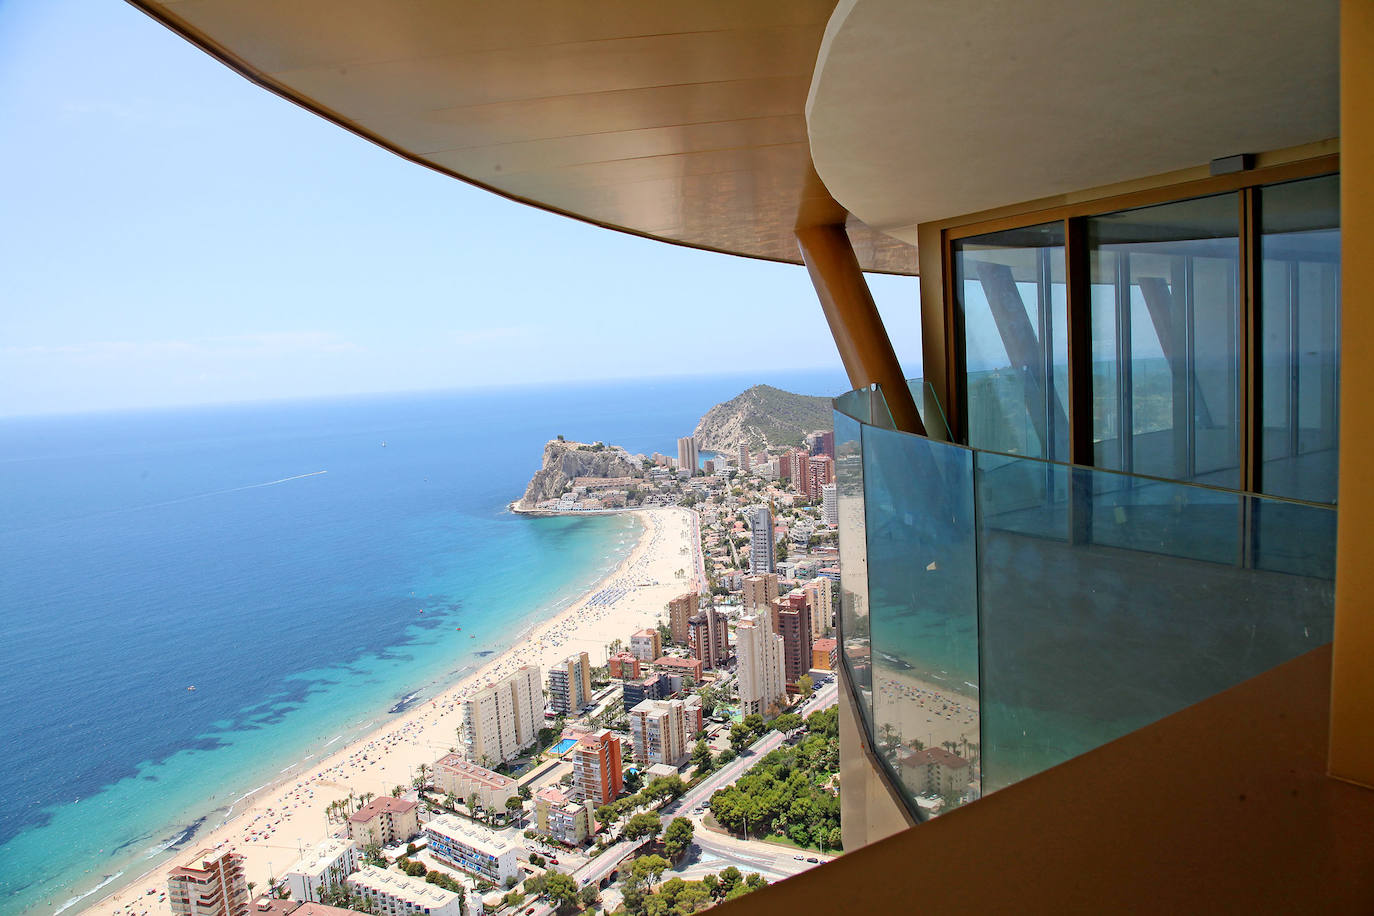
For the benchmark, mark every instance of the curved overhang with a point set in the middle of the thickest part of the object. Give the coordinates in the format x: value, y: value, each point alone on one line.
x: 682, y: 122
x: 920, y: 112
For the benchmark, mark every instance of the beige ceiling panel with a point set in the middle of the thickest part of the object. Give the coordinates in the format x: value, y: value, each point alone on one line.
x: 681, y: 121
x: 595, y: 112
x: 485, y: 77
x: 737, y: 137
x: 304, y: 34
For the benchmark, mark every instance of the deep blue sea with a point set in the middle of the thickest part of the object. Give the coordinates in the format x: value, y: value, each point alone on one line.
x: 276, y: 556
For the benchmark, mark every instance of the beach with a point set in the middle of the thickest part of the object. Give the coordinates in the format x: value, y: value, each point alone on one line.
x: 272, y: 827
x: 924, y: 710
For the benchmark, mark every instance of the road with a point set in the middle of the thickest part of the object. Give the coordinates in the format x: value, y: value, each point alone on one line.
x: 714, y: 851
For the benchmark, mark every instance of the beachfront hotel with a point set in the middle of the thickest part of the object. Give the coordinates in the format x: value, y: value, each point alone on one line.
x: 212, y: 883
x: 502, y: 719
x: 471, y: 847
x: 391, y: 893
x: 323, y: 866
x: 1097, y: 538
x: 383, y: 821
x: 570, y: 684
x: 464, y: 779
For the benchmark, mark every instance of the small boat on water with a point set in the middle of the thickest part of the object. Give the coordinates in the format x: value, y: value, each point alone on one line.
x: 192, y: 687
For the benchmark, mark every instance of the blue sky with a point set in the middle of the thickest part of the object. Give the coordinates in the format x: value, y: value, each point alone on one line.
x: 172, y: 234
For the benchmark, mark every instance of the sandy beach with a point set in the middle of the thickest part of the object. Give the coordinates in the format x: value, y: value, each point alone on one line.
x: 291, y: 814
x: 924, y: 710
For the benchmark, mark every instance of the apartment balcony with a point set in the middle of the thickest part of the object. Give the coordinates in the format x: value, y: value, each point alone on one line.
x: 1003, y: 614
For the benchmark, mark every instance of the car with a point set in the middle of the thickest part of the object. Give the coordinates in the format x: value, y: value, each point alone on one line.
x: 553, y: 860
x: 529, y: 911
x: 813, y: 860
x: 799, y: 857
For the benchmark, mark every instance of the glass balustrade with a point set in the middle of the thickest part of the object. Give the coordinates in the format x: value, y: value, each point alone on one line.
x: 1001, y: 614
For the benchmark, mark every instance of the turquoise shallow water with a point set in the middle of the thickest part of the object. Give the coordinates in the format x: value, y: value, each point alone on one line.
x: 277, y: 557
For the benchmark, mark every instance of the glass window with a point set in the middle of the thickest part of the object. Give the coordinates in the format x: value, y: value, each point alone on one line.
x: 1300, y: 334
x: 1011, y: 292
x: 1165, y: 284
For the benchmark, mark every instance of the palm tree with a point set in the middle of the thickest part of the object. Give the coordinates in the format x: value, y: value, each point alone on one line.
x: 420, y: 780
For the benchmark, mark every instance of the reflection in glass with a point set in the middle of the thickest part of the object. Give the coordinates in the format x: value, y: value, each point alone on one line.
x: 1165, y: 288
x: 1300, y: 331
x: 849, y: 493
x: 1010, y: 288
x: 923, y: 619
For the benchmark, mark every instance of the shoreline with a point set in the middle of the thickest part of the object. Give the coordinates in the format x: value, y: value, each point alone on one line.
x: 269, y: 824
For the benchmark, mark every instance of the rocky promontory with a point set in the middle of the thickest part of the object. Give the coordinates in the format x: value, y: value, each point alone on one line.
x: 566, y: 461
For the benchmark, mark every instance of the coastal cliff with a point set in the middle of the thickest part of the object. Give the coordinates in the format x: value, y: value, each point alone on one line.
x: 766, y: 417
x: 566, y: 461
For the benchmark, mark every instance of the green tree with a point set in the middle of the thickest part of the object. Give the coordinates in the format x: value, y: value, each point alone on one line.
x: 805, y: 685
x: 701, y: 756
x: 589, y: 896
x: 644, y: 824
x: 677, y: 838
x: 730, y: 878
x: 525, y: 792
x: 787, y: 723
x: 648, y: 869
x: 605, y: 815
x: 515, y: 804
x: 561, y: 891
x: 372, y: 855
x: 725, y: 756
x: 740, y: 737
x: 473, y: 804
x: 536, y: 860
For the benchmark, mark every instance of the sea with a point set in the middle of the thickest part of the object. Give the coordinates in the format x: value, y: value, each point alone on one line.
x: 311, y: 568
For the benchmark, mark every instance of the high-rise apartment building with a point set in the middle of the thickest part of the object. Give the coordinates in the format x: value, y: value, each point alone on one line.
x: 687, y: 454
x: 212, y: 883
x: 761, y: 557
x: 820, y: 471
x: 800, y: 469
x: 820, y: 593
x: 597, y: 769
x: 680, y: 610
x: 759, y: 664
x: 743, y: 456
x: 570, y: 684
x: 708, y: 638
x: 322, y: 866
x: 759, y: 591
x: 822, y: 443
x: 830, y: 505
x: 792, y: 621
x: 785, y: 465
x: 503, y: 718
x: 623, y: 666
x: 662, y: 730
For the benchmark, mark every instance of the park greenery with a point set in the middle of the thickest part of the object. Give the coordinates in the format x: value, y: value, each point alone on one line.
x: 676, y: 896
x: 664, y: 787
x: 559, y: 889
x: 786, y: 793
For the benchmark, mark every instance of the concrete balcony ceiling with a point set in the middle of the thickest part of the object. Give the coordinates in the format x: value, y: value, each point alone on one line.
x: 683, y: 122
x: 923, y: 111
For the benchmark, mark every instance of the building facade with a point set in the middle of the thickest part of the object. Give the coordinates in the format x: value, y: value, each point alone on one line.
x: 824, y: 654
x: 662, y: 730
x: 830, y: 505
x: 792, y: 621
x: 562, y: 819
x: 395, y: 894
x: 324, y: 865
x: 655, y: 686
x: 934, y: 769
x: 469, y: 847
x: 687, y: 455
x: 708, y: 638
x: 383, y: 821
x: 680, y: 610
x: 502, y: 719
x: 598, y: 774
x: 623, y: 666
x: 759, y: 664
x: 683, y: 667
x: 820, y: 593
x: 762, y: 559
x: 570, y: 684
x: 820, y: 472
x: 759, y: 592
x: 465, y: 779
x: 646, y: 645
x: 212, y: 883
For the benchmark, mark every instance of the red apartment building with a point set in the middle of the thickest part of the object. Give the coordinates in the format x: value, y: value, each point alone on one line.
x: 597, y: 774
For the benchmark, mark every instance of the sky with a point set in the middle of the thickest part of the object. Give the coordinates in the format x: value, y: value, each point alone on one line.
x: 172, y: 234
